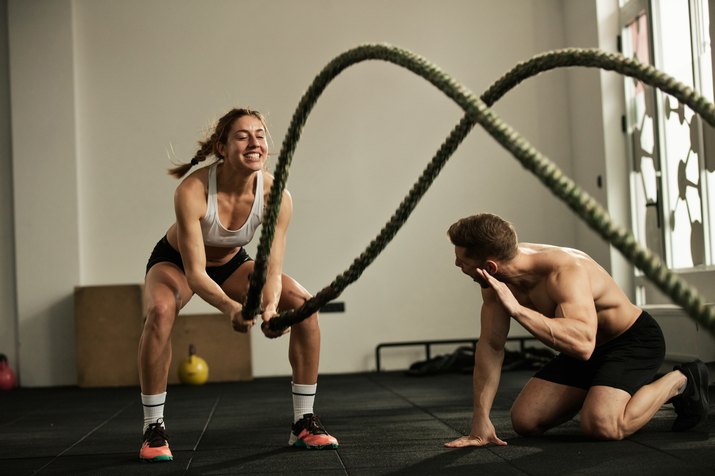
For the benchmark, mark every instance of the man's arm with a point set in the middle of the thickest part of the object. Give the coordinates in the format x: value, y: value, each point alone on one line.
x: 572, y: 328
x: 488, y: 360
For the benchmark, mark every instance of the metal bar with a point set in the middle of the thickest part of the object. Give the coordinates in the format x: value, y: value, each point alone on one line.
x: 429, y: 343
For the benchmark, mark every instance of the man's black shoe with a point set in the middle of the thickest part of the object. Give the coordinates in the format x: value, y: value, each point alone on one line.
x: 692, y: 405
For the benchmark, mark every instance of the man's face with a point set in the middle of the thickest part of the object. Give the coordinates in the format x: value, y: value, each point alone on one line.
x: 468, y: 265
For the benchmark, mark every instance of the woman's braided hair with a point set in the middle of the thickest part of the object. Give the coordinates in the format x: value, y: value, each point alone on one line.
x: 219, y: 135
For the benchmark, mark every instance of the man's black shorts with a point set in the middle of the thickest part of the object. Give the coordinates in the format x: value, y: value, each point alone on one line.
x: 163, y: 251
x: 627, y: 362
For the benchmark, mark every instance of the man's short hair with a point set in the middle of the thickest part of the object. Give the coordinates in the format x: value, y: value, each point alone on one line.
x: 484, y: 236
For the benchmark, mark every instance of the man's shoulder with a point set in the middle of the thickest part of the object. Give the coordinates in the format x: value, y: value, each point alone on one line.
x: 558, y: 257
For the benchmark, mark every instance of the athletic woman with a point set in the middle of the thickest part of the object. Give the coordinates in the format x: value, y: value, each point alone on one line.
x: 218, y: 209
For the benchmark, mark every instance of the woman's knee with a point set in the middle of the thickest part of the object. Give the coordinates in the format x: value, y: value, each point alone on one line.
x: 293, y: 297
x: 307, y: 326
x: 160, y: 316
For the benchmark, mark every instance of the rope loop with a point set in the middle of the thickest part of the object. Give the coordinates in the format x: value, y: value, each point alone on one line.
x: 477, y: 111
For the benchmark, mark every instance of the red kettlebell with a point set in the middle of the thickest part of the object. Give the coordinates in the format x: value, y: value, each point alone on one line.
x: 7, y: 376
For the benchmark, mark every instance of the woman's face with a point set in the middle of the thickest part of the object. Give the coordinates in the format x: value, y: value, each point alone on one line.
x: 246, y: 144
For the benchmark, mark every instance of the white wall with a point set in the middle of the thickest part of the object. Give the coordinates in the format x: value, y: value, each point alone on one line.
x: 126, y: 82
x: 596, y: 105
x: 617, y: 162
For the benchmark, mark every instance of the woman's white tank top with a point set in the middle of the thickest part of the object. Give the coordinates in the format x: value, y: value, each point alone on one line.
x: 215, y: 234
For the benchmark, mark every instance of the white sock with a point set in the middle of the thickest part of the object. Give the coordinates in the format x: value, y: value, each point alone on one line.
x: 153, y: 409
x: 303, y: 398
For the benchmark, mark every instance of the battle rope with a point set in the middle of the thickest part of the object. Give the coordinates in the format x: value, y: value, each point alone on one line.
x: 477, y: 111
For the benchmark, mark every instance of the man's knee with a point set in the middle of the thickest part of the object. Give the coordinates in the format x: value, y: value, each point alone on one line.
x: 525, y: 423
x: 602, y: 427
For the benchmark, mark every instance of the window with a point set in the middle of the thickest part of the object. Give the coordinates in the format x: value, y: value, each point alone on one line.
x: 672, y: 178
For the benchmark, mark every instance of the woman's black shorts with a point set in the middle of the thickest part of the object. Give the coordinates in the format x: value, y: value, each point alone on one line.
x: 163, y: 251
x: 627, y: 362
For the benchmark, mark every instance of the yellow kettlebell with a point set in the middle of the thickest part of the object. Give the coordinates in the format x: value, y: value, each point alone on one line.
x: 193, y: 370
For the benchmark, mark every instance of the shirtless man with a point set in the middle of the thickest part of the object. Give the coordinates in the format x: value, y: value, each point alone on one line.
x: 610, y: 350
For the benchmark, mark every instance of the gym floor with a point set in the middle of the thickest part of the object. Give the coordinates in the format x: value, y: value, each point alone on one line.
x: 387, y: 423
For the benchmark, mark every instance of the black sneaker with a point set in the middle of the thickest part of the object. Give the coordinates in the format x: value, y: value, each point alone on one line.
x: 155, y: 445
x: 692, y: 405
x: 309, y: 433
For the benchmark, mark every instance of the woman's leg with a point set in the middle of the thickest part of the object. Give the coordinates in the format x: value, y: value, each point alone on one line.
x: 303, y: 355
x: 166, y: 291
x: 304, y: 347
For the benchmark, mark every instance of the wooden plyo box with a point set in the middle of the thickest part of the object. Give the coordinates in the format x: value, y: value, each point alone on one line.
x: 108, y: 325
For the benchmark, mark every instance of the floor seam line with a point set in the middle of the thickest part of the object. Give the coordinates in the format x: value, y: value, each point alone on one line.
x: 83, y: 438
x: 203, y: 431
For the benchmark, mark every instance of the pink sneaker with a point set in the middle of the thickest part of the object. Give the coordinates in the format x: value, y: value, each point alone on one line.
x: 155, y: 446
x: 309, y: 433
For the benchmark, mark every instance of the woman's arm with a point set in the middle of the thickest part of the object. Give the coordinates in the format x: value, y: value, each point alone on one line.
x: 189, y: 207
x: 273, y: 286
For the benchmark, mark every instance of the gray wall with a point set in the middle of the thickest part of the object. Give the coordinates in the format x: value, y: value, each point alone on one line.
x: 44, y: 162
x: 8, y: 310
x: 105, y: 93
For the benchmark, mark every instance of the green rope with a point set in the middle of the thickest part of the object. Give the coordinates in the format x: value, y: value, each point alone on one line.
x: 478, y: 112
